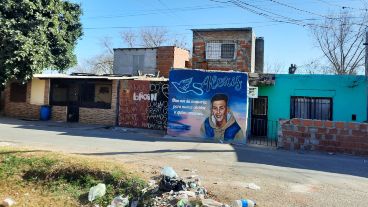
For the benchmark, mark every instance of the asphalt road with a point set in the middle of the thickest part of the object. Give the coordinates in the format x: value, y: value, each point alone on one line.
x: 286, y: 178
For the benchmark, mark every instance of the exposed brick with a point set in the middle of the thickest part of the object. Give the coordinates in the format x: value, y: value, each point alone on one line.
x: 242, y: 61
x: 307, y: 122
x: 332, y: 131
x: 353, y: 125
x: 340, y: 125
x: 329, y: 124
x: 318, y: 123
x: 296, y: 122
x: 341, y: 137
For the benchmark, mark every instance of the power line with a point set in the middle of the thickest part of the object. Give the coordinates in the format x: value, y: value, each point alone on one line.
x: 160, y: 11
x: 340, y: 6
x: 184, y: 25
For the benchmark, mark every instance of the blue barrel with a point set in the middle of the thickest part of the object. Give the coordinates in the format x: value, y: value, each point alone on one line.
x: 45, y: 113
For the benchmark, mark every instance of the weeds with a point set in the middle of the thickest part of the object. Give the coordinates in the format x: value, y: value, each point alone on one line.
x: 61, y: 177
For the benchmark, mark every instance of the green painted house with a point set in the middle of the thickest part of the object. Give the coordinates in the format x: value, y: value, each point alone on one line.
x: 324, y: 97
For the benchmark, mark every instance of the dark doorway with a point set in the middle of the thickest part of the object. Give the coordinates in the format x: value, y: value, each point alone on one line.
x: 73, y: 103
x: 73, y: 113
x: 259, y: 117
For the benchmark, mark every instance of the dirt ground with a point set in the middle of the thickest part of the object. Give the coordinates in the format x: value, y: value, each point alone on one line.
x: 285, y: 178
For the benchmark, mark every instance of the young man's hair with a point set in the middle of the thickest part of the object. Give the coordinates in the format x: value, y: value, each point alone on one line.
x: 219, y: 97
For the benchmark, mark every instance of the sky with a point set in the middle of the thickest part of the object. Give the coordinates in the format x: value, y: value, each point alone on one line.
x: 285, y: 43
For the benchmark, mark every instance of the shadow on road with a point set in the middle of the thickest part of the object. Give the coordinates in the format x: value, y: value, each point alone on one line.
x: 341, y: 164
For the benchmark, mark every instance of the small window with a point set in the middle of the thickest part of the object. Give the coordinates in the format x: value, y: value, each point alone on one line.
x: 217, y: 50
x: 18, y: 92
x: 311, y: 108
x: 259, y: 106
x: 227, y: 51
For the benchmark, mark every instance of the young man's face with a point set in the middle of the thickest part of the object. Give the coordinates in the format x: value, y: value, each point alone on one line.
x: 219, y: 110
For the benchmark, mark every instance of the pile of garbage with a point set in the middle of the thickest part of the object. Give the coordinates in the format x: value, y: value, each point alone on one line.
x: 188, y: 193
x: 170, y: 191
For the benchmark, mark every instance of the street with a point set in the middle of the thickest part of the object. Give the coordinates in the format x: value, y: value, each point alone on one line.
x: 285, y: 178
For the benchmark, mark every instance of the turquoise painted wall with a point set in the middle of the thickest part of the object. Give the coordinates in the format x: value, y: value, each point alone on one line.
x: 348, y: 93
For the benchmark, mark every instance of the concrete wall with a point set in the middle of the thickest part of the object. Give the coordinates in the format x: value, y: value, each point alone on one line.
x: 123, y: 60
x: 347, y: 92
x: 181, y: 56
x: 341, y: 137
x: 244, y: 41
x: 38, y: 91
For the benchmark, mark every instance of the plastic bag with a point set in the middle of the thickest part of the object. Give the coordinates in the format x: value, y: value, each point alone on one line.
x: 96, y: 192
x: 169, y: 172
x: 120, y: 201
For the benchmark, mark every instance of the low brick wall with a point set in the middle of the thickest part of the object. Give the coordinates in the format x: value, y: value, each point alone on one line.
x: 340, y: 137
x: 59, y: 113
x: 101, y: 116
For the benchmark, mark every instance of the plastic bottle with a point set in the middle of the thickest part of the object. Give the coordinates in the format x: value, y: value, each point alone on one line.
x: 243, y: 203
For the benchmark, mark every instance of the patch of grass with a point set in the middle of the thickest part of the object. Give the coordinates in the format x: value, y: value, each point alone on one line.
x: 65, y: 177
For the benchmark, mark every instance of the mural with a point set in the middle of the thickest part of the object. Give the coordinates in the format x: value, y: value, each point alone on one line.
x: 208, y: 104
x: 143, y: 104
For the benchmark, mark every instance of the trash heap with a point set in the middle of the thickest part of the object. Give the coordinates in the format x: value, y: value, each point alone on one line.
x: 170, y: 191
x: 187, y: 193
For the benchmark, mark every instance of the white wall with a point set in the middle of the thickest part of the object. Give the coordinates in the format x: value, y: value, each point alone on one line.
x: 123, y: 60
x: 37, y: 91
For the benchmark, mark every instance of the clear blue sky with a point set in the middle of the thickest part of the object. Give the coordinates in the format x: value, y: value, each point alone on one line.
x: 284, y: 43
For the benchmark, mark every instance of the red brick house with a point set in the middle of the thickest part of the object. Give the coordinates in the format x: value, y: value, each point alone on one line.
x: 225, y: 49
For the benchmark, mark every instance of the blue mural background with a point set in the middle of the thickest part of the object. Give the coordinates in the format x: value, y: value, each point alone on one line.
x: 190, y: 93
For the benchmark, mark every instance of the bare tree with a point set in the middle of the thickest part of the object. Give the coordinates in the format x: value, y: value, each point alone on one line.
x: 130, y: 38
x: 153, y: 36
x: 275, y: 67
x: 341, y: 39
x: 101, y: 63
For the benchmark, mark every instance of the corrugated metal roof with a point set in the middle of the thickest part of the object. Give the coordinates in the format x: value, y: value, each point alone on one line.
x: 53, y: 76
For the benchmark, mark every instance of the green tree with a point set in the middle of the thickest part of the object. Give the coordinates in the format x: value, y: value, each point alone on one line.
x: 37, y: 35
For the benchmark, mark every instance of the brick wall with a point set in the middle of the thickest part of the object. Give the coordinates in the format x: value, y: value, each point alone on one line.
x: 21, y: 109
x: 59, y: 113
x: 244, y: 56
x: 165, y: 60
x: 100, y: 116
x: 340, y: 137
x: 170, y: 56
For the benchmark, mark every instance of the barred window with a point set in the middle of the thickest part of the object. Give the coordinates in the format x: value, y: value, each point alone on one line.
x: 311, y: 108
x: 216, y: 50
x: 227, y: 51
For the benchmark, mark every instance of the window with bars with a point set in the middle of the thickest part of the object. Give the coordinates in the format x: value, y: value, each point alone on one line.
x: 311, y: 108
x: 220, y: 50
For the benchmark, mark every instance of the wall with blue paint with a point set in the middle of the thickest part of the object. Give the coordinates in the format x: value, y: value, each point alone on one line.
x: 347, y: 91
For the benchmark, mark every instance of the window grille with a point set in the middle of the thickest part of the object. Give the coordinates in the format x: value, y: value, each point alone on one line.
x: 216, y: 50
x: 227, y: 51
x: 311, y: 108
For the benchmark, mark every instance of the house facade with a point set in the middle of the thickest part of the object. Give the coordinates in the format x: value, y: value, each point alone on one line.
x: 84, y: 99
x: 226, y: 49
x: 156, y: 61
x: 317, y: 97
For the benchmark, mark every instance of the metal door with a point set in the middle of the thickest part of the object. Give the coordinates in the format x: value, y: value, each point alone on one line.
x: 259, y: 117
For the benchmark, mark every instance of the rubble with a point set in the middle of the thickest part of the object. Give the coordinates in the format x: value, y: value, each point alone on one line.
x: 170, y: 190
